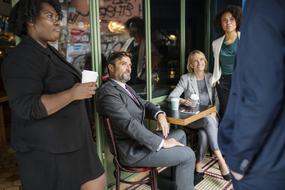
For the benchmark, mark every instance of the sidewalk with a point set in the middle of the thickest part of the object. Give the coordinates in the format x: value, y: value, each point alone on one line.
x: 9, y: 177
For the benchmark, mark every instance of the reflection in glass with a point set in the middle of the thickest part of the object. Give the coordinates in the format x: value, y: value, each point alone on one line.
x: 165, y: 39
x: 118, y: 35
x: 74, y: 42
x: 131, y: 38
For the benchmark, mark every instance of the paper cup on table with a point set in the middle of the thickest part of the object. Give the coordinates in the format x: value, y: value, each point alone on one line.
x: 194, y: 100
x: 89, y: 76
x: 175, y: 103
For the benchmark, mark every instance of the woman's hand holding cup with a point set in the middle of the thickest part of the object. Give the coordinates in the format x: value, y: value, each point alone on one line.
x: 194, y: 98
x: 185, y: 102
x: 81, y: 91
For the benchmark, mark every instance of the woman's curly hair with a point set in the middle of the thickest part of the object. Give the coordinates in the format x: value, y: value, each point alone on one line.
x: 236, y: 12
x: 135, y: 25
x: 28, y: 10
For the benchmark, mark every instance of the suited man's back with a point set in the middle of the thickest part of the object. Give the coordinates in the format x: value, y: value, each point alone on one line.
x: 252, y: 134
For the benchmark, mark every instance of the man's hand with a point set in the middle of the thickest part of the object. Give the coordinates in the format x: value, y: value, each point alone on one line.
x: 163, y: 124
x: 236, y: 175
x: 169, y: 143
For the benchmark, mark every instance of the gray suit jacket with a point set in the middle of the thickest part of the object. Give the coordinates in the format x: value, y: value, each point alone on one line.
x: 134, y: 140
x: 188, y: 85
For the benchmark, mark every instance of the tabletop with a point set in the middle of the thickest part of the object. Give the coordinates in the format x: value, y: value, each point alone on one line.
x: 185, y: 116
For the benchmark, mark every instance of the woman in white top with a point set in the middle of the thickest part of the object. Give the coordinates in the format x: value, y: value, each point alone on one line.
x: 224, y: 51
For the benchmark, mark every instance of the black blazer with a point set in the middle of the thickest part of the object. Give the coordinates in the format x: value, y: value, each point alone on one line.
x: 28, y: 72
x: 133, y: 139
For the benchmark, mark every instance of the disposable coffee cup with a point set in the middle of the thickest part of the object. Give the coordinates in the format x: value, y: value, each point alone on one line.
x: 194, y: 100
x: 175, y: 103
x: 89, y: 76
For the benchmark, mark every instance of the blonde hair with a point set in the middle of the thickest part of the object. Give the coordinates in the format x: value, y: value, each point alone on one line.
x: 190, y: 60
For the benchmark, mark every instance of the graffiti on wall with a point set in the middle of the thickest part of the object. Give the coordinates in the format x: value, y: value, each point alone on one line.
x: 119, y: 10
x: 112, y: 42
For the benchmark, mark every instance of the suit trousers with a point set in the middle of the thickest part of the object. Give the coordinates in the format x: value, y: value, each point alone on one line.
x: 183, y: 158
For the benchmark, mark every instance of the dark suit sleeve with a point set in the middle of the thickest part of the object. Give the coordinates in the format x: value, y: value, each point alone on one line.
x: 23, y: 79
x: 151, y: 109
x: 112, y: 104
x: 260, y: 68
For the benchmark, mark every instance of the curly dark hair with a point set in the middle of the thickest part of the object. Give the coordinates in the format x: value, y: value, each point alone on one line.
x: 28, y: 10
x: 236, y: 12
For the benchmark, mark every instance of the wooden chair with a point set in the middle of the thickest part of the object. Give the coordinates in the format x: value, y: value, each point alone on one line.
x: 151, y: 179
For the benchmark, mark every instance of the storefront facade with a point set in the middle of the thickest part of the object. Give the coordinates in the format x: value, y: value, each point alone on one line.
x: 92, y: 29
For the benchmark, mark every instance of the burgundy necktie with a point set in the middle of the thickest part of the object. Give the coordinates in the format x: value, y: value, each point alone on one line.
x: 130, y: 91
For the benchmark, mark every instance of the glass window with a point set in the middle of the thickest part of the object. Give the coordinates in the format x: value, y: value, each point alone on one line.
x: 165, y: 46
x: 122, y: 29
x: 74, y: 41
x: 7, y: 40
x: 195, y: 26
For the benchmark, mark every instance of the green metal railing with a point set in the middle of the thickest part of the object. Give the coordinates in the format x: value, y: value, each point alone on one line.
x: 97, y: 66
x: 207, y: 44
x: 148, y: 49
x: 182, y: 35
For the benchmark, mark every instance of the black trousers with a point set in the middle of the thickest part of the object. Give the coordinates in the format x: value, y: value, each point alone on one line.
x: 223, y: 90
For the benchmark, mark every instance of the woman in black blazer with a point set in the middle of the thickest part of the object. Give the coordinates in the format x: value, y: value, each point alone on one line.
x: 50, y: 129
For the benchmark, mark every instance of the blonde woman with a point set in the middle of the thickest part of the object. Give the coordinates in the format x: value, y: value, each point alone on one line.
x: 197, y: 81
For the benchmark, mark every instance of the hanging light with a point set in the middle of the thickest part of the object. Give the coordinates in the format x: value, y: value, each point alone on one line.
x: 172, y: 37
x: 116, y: 27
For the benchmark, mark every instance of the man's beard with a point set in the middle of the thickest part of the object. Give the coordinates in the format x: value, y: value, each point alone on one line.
x: 125, y: 79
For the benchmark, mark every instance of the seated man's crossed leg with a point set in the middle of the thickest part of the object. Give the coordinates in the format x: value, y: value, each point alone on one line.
x: 181, y: 157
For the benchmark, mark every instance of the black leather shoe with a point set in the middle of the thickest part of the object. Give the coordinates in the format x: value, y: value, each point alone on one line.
x: 227, y: 177
x: 198, y: 177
